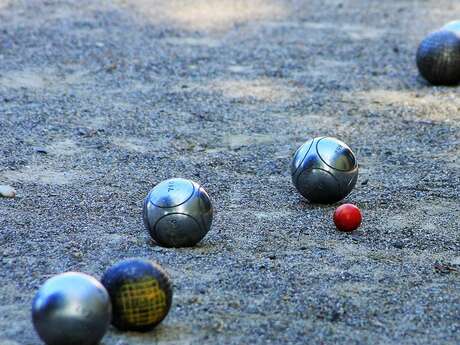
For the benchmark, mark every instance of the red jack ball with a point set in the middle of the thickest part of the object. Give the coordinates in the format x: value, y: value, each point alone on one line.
x: 347, y: 217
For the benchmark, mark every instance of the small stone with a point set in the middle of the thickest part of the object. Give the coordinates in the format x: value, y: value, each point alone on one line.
x: 77, y: 254
x: 111, y: 68
x: 194, y: 300
x: 234, y: 304
x: 7, y: 191
x: 444, y: 269
x: 398, y: 244
x: 41, y: 150
x: 455, y: 261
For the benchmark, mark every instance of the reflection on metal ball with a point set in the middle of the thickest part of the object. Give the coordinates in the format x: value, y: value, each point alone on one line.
x: 177, y: 213
x: 71, y: 309
x: 324, y: 170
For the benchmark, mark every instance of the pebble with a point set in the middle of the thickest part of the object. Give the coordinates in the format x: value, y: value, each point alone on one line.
x: 41, y: 150
x: 455, y: 261
x: 7, y: 191
x: 398, y: 244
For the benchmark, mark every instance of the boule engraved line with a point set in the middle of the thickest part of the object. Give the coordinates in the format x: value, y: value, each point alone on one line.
x: 171, y: 193
x: 324, y: 170
x: 299, y: 159
x: 341, y: 150
x: 181, y: 225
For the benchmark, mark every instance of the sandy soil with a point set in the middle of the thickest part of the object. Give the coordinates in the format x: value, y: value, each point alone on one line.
x: 122, y: 94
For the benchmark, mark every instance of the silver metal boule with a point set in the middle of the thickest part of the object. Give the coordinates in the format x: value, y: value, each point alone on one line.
x: 324, y: 170
x: 71, y: 309
x: 177, y: 213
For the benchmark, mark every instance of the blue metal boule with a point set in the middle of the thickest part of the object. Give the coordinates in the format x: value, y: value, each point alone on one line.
x: 438, y: 57
x: 177, y: 213
x: 71, y: 309
x: 324, y: 170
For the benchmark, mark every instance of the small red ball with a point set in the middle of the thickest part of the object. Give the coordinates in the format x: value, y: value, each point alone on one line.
x: 347, y: 217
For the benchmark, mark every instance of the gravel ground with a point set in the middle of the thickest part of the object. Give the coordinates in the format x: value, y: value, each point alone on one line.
x: 101, y: 100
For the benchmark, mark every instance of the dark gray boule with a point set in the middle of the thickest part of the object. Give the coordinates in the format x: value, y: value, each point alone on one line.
x: 141, y: 294
x: 438, y: 58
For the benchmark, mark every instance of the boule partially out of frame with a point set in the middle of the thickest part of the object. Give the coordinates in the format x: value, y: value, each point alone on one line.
x: 438, y: 57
